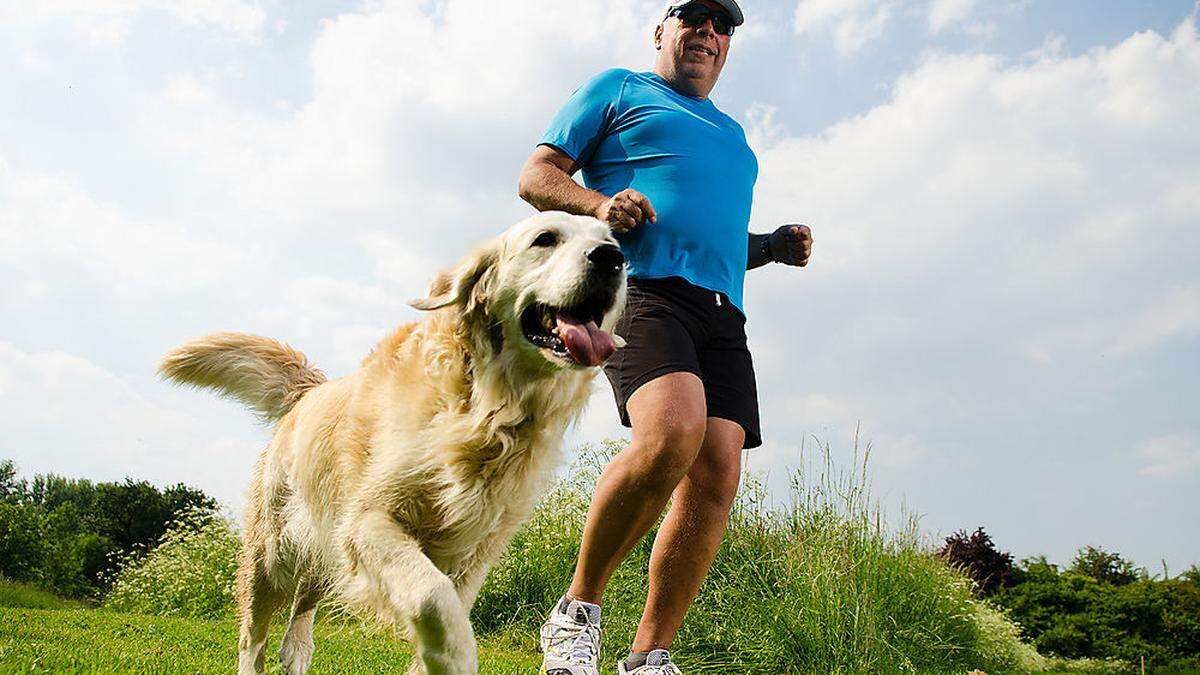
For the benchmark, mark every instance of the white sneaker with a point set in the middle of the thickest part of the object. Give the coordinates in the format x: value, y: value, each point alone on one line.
x: 570, y: 640
x: 658, y: 662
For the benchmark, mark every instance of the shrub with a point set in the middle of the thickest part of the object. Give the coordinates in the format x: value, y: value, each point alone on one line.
x: 190, y: 572
x: 1075, y: 615
x: 64, y: 534
x: 22, y: 542
x: 977, y: 555
x: 46, y: 548
x: 1109, y: 568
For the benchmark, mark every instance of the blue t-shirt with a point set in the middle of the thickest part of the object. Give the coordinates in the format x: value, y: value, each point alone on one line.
x: 632, y: 130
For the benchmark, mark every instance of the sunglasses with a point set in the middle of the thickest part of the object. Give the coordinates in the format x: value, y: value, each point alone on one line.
x: 694, y: 14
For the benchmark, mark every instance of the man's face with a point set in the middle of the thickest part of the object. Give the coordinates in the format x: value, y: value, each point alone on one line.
x: 697, y: 53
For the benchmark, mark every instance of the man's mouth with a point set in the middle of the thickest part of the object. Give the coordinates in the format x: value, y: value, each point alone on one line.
x: 571, y: 333
x: 702, y: 49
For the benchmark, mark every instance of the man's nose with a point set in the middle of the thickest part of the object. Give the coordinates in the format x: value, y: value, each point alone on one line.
x: 606, y: 258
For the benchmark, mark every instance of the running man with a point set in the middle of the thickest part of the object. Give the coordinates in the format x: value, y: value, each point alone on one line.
x: 673, y: 176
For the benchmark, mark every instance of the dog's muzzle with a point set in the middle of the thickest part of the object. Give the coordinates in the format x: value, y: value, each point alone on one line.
x: 607, y: 260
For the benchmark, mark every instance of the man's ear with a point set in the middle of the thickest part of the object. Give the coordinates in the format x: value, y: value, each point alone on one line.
x: 658, y: 36
x: 465, y: 283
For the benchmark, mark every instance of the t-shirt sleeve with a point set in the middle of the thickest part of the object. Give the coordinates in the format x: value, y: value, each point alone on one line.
x: 585, y: 118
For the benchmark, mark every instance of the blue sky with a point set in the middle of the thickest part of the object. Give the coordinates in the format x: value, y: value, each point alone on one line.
x: 1003, y: 298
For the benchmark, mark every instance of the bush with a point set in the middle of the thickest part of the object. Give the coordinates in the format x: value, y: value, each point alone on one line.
x: 1105, y: 567
x: 190, y: 572
x: 978, y: 557
x: 1075, y: 615
x: 64, y: 534
x: 46, y: 548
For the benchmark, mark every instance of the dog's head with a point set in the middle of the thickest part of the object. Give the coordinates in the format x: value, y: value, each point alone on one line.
x: 547, y: 292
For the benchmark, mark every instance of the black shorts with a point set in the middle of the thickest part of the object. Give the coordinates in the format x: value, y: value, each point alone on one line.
x: 672, y: 326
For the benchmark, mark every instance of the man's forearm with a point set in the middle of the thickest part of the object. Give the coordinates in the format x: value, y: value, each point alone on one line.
x: 549, y: 188
x: 757, y: 253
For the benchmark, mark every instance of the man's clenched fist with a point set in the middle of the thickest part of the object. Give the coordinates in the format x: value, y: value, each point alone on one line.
x: 791, y: 244
x: 626, y: 210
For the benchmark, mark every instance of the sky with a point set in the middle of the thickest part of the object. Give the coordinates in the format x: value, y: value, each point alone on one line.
x: 1003, y: 300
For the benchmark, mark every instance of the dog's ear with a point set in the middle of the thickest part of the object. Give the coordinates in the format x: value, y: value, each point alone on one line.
x: 465, y: 284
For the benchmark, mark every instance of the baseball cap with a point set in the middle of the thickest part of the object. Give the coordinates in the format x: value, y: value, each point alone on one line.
x: 729, y: 6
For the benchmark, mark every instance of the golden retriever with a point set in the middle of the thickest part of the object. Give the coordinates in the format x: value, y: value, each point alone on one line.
x: 394, y: 489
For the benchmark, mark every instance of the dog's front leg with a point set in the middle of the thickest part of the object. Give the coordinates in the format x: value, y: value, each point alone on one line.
x: 470, y: 575
x: 389, y: 563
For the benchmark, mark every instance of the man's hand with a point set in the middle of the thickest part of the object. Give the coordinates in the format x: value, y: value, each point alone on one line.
x: 791, y: 244
x: 626, y: 210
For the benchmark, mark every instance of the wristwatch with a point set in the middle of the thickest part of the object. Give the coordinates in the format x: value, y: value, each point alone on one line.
x: 765, y: 249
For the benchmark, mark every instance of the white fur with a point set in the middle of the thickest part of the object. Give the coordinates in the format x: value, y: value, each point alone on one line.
x: 394, y: 488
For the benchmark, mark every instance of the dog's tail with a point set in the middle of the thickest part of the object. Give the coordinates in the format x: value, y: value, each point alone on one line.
x: 266, y: 375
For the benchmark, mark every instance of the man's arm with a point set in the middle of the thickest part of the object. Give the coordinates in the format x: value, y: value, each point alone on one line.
x: 546, y: 183
x: 790, y: 245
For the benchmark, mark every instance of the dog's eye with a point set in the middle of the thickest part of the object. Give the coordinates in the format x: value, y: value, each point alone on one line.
x: 546, y: 239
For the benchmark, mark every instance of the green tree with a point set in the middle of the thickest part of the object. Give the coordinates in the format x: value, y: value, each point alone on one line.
x: 1104, y: 566
x: 66, y: 534
x: 12, y: 489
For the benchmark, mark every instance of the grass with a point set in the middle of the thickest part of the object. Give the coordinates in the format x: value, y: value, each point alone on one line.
x: 16, y: 594
x: 101, y: 641
x: 818, y: 584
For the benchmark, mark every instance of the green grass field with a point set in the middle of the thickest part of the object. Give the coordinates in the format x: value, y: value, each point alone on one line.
x: 817, y: 585
x: 99, y: 641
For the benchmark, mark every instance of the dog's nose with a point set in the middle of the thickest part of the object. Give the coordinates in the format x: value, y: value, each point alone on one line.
x: 606, y: 258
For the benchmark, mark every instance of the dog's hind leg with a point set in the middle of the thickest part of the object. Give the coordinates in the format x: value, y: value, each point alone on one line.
x: 258, y: 594
x: 391, y: 573
x: 258, y: 599
x: 296, y: 653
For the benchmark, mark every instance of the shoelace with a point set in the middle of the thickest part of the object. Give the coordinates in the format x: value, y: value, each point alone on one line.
x: 585, y: 642
x: 586, y: 647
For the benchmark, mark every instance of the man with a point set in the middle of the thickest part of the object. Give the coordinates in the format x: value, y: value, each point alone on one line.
x: 673, y: 177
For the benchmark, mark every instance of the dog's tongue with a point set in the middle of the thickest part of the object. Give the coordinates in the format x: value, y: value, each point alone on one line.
x: 587, y: 344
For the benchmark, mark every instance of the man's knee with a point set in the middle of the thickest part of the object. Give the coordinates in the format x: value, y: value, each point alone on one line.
x: 669, y: 423
x: 715, y: 479
x: 666, y: 453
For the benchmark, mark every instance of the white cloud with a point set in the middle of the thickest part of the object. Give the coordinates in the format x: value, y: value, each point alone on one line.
x: 64, y: 414
x: 852, y: 23
x: 1174, y: 313
x: 992, y: 242
x: 391, y: 121
x: 1169, y: 455
x: 1055, y: 195
x: 108, y: 20
x: 946, y: 13
x: 52, y: 231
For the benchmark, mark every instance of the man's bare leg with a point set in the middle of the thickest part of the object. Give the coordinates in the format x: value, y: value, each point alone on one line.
x: 668, y: 419
x: 691, y: 533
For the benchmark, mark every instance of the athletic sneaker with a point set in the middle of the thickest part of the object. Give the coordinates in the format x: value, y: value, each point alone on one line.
x: 658, y: 662
x: 571, y: 639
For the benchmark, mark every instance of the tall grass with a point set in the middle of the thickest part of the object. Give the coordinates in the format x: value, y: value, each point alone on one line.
x: 26, y: 596
x: 189, y: 573
x: 818, y: 584
x: 815, y: 584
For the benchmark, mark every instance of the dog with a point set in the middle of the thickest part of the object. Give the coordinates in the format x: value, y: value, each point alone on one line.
x: 395, y: 488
